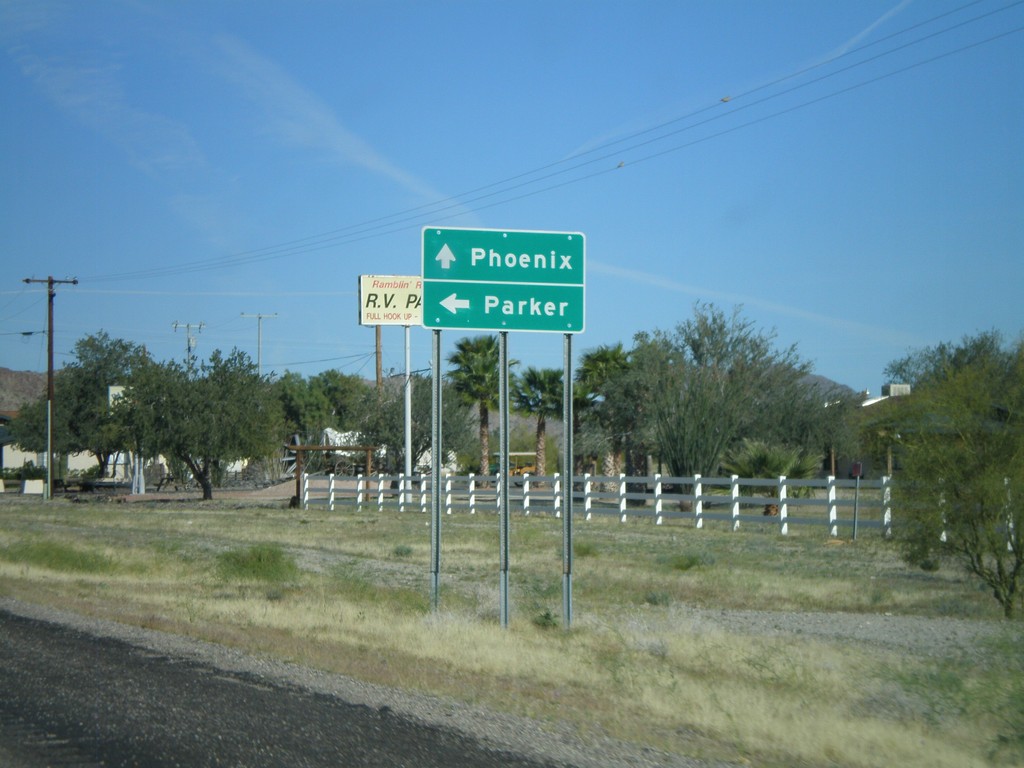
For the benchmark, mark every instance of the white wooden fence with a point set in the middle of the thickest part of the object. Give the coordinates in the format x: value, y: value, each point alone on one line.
x: 733, y: 500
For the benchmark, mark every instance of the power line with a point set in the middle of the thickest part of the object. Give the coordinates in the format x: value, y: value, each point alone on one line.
x: 364, y: 357
x: 401, y: 220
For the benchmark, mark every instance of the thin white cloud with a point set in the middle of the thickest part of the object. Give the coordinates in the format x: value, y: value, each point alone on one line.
x: 637, y: 128
x: 299, y: 118
x: 89, y: 88
x: 856, y: 39
x: 858, y: 330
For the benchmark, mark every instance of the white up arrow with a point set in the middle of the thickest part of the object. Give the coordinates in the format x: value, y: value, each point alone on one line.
x: 453, y: 304
x: 445, y: 256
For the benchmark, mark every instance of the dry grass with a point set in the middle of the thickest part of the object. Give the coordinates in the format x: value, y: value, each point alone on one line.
x: 636, y: 664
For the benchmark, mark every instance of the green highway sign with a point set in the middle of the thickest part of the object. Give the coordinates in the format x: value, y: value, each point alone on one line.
x: 503, y: 280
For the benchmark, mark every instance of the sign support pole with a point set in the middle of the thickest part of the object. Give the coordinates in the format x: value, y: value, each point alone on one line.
x: 567, y: 470
x: 407, y: 481
x: 503, y: 483
x: 435, y: 475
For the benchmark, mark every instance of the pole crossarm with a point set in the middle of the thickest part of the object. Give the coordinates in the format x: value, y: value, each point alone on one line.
x: 190, y: 340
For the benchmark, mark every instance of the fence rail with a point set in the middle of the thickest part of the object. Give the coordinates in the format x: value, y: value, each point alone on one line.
x: 783, y: 502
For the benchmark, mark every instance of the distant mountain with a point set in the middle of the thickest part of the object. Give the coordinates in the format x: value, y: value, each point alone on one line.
x: 20, y: 387
x: 826, y: 384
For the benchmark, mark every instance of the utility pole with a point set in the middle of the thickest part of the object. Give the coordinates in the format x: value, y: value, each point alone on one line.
x: 51, y: 292
x: 190, y: 340
x: 259, y: 339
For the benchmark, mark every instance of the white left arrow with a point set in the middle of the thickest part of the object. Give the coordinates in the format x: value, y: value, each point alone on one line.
x: 445, y: 256
x: 453, y: 304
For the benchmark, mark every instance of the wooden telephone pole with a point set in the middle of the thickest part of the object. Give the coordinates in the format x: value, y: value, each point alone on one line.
x: 51, y: 293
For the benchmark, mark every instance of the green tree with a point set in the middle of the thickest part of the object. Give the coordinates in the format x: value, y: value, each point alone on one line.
x: 305, y: 410
x: 712, y: 381
x: 28, y: 430
x: 204, y: 416
x: 758, y: 459
x: 961, y: 488
x: 474, y: 376
x: 538, y: 393
x: 100, y: 363
x: 329, y: 399
x: 83, y: 420
x: 923, y: 366
x: 606, y: 404
x: 345, y: 395
x: 383, y: 420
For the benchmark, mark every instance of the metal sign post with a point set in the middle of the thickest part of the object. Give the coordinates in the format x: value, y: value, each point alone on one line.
x: 503, y: 484
x: 407, y: 468
x: 567, y: 469
x: 435, y: 474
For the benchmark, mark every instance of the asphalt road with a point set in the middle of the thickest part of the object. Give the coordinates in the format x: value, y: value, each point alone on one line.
x: 69, y: 698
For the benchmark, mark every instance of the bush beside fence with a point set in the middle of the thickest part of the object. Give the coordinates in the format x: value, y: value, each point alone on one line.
x: 829, y: 501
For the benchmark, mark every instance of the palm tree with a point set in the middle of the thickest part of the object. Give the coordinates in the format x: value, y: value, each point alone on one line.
x: 475, y: 378
x: 538, y: 392
x: 597, y: 368
x: 758, y: 459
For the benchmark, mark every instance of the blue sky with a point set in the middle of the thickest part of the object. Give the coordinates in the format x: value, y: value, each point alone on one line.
x: 849, y: 173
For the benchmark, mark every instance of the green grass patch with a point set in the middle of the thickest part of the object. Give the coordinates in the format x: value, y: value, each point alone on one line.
x: 584, y: 549
x: 684, y: 561
x: 55, y: 556
x: 368, y: 589
x: 545, y: 620
x: 657, y: 598
x: 260, y: 562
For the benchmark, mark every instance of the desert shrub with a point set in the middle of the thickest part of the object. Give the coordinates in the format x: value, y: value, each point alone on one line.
x: 261, y: 562
x: 54, y: 556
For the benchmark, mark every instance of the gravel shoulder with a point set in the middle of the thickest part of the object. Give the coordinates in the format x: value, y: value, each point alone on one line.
x: 551, y: 741
x: 922, y: 636
x: 547, y: 743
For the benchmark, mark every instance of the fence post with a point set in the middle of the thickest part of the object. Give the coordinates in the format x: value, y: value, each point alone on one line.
x: 380, y: 493
x: 305, y: 490
x: 698, y: 502
x: 330, y: 493
x: 657, y: 499
x: 734, y: 494
x: 622, y: 497
x: 783, y: 506
x: 942, y: 504
x: 526, y: 494
x: 472, y: 494
x: 557, y: 491
x: 887, y: 506
x: 587, y: 501
x: 833, y: 522
x: 448, y: 494
x: 360, y: 488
